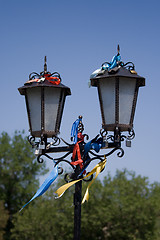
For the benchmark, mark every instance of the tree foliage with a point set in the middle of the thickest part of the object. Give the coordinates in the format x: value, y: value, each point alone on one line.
x: 3, y: 219
x: 48, y: 218
x: 18, y: 173
x: 126, y: 209
x: 125, y: 206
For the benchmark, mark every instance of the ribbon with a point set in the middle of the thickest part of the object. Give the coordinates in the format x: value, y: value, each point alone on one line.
x: 95, y: 144
x: 113, y: 63
x: 78, y: 162
x: 53, y: 80
x: 77, y: 152
x: 98, y: 168
x: 74, y: 130
x: 46, y: 184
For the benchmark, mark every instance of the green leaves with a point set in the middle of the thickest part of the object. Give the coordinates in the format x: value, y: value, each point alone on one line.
x: 18, y: 173
x: 133, y: 213
x: 125, y: 206
x: 3, y: 219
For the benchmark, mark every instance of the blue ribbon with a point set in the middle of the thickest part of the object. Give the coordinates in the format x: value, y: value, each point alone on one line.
x: 113, y: 63
x: 74, y: 130
x: 46, y: 184
x: 93, y: 144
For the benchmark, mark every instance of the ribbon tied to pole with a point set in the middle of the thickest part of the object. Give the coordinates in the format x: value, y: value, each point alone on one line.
x: 97, y: 169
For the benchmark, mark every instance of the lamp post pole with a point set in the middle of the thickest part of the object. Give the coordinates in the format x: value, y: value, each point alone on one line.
x: 78, y: 186
x: 77, y: 210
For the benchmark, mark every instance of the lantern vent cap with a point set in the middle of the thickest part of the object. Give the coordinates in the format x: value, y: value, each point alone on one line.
x: 44, y: 79
x: 116, y: 68
x: 44, y: 84
x: 120, y: 72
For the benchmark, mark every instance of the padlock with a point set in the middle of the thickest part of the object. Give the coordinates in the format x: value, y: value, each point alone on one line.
x: 128, y: 143
x: 38, y: 152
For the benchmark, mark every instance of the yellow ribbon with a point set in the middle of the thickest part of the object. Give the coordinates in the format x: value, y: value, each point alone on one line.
x: 98, y: 168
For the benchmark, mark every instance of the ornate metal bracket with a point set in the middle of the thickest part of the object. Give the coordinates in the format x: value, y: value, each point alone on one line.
x: 88, y: 151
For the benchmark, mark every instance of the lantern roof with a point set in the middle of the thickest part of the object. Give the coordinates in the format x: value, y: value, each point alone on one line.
x: 116, y: 68
x: 121, y: 72
x: 44, y: 79
x: 45, y: 83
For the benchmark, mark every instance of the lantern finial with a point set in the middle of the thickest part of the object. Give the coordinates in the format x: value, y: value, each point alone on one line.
x: 45, y: 64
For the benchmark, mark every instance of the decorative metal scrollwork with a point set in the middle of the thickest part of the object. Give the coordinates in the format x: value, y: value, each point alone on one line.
x: 39, y: 159
x: 101, y: 157
x: 56, y: 141
x: 45, y: 73
x: 88, y: 152
x: 116, y: 64
x: 31, y: 140
x: 131, y: 134
x: 34, y: 75
x: 128, y: 65
x: 103, y: 133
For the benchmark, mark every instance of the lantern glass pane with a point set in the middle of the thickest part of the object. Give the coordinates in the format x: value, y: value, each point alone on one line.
x: 34, y: 104
x: 51, y: 105
x: 107, y: 89
x: 126, y: 96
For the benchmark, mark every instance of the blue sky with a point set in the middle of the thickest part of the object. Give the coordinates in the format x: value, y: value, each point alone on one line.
x: 77, y: 37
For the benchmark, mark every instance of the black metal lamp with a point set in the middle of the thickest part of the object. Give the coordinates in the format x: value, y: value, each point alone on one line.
x: 45, y: 98
x: 118, y: 91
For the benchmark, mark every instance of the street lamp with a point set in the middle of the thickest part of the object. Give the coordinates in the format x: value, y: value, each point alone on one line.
x: 117, y: 84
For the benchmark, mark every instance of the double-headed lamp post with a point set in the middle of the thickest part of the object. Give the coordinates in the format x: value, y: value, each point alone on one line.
x: 117, y: 85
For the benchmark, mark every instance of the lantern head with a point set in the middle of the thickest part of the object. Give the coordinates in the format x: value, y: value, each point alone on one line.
x: 45, y: 98
x: 118, y: 85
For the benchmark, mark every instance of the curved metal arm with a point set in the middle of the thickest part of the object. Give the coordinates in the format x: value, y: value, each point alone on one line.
x: 130, y: 67
x: 131, y: 134
x: 119, y: 154
x: 34, y: 75
x: 66, y: 161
